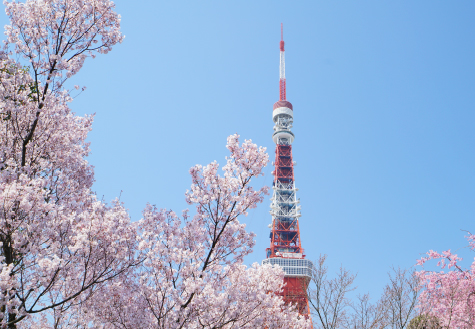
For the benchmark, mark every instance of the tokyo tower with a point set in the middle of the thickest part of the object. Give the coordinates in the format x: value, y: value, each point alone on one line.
x: 285, y: 245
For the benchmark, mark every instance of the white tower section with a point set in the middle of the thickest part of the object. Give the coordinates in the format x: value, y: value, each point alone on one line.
x: 283, y: 118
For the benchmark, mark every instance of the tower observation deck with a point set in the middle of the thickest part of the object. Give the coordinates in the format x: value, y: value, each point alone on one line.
x: 285, y: 247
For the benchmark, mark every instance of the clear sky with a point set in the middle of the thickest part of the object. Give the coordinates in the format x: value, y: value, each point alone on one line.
x: 383, y: 95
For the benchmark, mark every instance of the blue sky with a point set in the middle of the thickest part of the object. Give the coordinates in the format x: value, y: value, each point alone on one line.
x: 383, y: 95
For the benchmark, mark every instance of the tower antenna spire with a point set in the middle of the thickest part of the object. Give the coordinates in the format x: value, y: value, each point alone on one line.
x: 282, y: 93
x: 281, y: 31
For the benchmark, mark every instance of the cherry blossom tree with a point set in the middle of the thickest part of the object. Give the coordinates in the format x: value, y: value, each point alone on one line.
x: 193, y: 274
x: 59, y: 244
x: 449, y: 294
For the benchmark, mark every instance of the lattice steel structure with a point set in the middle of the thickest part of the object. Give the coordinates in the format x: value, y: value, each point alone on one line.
x: 285, y: 247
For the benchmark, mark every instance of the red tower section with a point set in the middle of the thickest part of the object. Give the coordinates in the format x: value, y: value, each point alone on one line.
x: 285, y: 248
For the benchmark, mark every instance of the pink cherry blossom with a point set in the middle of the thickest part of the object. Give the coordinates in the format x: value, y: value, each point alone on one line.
x: 59, y: 243
x: 192, y: 275
x: 449, y: 295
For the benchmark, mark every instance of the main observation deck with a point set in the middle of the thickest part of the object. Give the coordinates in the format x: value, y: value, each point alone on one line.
x: 293, y: 267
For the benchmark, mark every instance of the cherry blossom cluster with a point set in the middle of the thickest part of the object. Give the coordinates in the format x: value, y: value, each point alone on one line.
x: 192, y: 275
x: 449, y: 294
x: 58, y: 242
x: 57, y: 239
x: 56, y: 36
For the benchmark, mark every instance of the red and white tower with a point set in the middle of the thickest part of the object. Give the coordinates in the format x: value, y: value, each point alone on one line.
x: 285, y: 247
